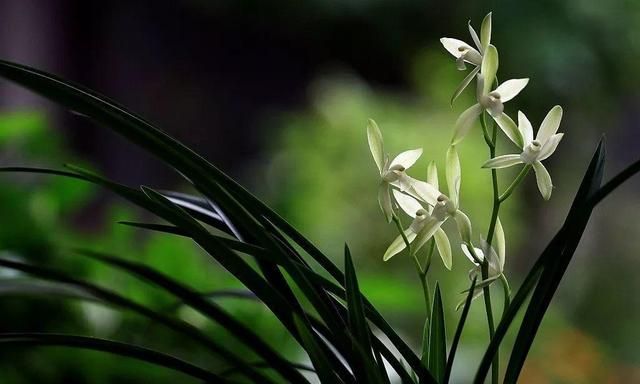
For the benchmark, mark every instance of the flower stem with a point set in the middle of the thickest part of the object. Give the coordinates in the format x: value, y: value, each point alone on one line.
x: 404, y: 237
x: 484, y: 267
x: 422, y: 271
x: 515, y: 183
x: 424, y: 280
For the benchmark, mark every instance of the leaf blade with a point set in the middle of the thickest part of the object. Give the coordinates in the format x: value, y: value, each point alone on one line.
x: 437, y: 338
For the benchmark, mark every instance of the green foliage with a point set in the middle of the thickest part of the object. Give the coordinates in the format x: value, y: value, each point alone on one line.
x: 327, y: 316
x: 437, y: 338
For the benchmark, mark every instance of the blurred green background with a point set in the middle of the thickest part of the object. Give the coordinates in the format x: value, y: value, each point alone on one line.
x: 277, y: 94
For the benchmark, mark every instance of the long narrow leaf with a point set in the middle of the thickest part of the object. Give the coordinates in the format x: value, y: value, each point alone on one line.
x: 283, y: 309
x: 117, y: 300
x: 551, y: 276
x: 358, y: 326
x: 437, y: 338
x: 189, y: 164
x: 553, y: 249
x: 33, y: 287
x: 170, y: 229
x: 117, y: 348
x: 210, y: 309
x: 458, y: 334
x: 322, y: 366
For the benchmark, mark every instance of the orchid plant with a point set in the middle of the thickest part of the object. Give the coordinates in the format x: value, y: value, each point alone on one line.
x: 429, y: 209
x: 320, y: 305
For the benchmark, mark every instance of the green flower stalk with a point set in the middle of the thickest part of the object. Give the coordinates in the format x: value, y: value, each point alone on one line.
x: 430, y: 209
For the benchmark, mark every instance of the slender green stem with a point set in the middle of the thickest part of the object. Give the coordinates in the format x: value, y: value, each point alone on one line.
x: 495, y: 367
x: 422, y: 271
x: 491, y: 143
x: 425, y: 280
x: 404, y: 237
x: 515, y: 183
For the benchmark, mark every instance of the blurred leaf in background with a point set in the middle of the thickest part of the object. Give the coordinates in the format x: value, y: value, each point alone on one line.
x: 44, y: 218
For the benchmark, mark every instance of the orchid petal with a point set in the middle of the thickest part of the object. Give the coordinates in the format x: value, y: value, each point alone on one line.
x: 543, y: 179
x: 464, y: 226
x: 510, y: 89
x: 479, y: 86
x: 478, y: 252
x: 432, y: 180
x: 407, y: 158
x: 404, y: 182
x: 482, y: 283
x: 424, y: 192
x: 375, y: 144
x: 426, y: 233
x: 503, y: 161
x: 549, y: 147
x: 477, y: 292
x: 509, y: 128
x: 489, y: 68
x: 474, y: 37
x: 500, y: 244
x: 384, y: 199
x: 492, y: 258
x: 407, y: 203
x: 525, y: 128
x: 495, y: 109
x: 398, y: 244
x: 453, y: 174
x: 454, y: 46
x: 465, y: 122
x: 550, y: 124
x: 432, y: 175
x: 485, y: 32
x: 467, y: 80
x: 444, y: 247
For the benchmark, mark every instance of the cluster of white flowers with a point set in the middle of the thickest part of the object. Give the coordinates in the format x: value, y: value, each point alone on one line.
x: 422, y: 200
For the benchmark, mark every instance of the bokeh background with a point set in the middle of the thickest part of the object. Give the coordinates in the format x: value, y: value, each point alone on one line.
x: 277, y: 93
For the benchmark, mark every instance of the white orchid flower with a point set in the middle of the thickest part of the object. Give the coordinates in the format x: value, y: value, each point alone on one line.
x: 422, y: 218
x: 427, y: 221
x: 465, y: 53
x: 495, y: 260
x: 393, y: 173
x: 534, y: 151
x: 491, y: 101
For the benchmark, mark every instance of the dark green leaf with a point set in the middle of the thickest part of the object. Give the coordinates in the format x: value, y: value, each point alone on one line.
x: 207, y: 308
x: 113, y: 347
x: 262, y: 364
x: 33, y: 287
x: 459, y: 328
x: 437, y: 338
x: 322, y: 366
x: 203, y: 175
x: 358, y: 325
x: 170, y: 229
x: 242, y: 294
x: 114, y: 299
x: 576, y: 219
x: 555, y: 269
